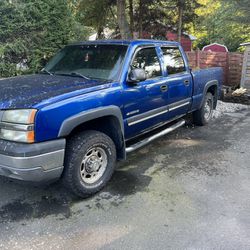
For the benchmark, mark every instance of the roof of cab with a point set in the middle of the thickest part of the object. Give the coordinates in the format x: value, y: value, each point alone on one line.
x: 128, y: 42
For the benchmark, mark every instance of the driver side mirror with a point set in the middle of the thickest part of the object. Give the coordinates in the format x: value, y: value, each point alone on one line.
x: 137, y: 75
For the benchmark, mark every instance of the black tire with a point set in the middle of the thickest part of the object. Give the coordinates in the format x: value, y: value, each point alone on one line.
x: 78, y: 148
x: 202, y: 116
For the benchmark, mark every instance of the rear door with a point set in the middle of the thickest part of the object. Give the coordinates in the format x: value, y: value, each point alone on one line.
x: 178, y: 80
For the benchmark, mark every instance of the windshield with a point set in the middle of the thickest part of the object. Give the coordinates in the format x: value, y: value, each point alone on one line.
x: 88, y: 61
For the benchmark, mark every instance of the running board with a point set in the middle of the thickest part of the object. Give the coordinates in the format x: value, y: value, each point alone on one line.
x: 156, y: 136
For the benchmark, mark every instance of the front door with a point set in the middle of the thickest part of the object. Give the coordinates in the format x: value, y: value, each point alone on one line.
x: 144, y: 103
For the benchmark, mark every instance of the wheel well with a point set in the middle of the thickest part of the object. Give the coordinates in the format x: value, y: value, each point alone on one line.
x: 214, y: 91
x: 108, y: 125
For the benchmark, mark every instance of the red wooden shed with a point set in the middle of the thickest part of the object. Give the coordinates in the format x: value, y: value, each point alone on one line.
x: 215, y: 47
x: 186, y: 39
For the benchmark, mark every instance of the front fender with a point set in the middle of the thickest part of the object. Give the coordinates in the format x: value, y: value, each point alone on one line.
x: 74, y: 121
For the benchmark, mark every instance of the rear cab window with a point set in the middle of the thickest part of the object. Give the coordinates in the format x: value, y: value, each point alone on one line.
x: 173, y: 60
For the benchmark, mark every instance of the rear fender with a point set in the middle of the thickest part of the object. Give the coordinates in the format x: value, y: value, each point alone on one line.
x: 208, y: 85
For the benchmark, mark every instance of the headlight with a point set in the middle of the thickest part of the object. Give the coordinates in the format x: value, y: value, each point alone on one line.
x: 20, y: 116
x: 18, y: 125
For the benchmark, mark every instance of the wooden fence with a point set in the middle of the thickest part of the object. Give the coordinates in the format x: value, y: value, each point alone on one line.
x: 231, y: 62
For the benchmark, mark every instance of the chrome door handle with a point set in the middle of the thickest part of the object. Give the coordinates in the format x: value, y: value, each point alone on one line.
x: 164, y: 88
x: 186, y: 82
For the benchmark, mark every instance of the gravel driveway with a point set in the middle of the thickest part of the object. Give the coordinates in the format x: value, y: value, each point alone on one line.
x: 187, y: 190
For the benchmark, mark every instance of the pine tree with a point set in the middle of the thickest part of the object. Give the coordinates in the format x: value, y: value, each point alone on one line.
x: 32, y: 31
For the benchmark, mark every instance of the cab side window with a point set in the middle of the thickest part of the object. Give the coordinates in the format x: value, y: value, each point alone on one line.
x: 173, y: 60
x: 147, y: 59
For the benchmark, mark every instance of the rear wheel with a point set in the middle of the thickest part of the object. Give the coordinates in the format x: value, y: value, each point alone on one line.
x: 204, y: 114
x: 89, y: 162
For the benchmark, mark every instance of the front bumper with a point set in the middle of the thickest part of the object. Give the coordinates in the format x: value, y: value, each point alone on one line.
x: 38, y: 162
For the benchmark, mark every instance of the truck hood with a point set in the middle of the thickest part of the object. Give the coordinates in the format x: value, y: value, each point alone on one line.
x: 28, y: 91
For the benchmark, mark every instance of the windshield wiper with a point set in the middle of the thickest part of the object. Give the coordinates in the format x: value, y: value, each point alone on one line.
x: 80, y: 75
x: 46, y: 71
x: 73, y: 74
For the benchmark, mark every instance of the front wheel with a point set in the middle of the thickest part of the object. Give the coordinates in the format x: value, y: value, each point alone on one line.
x: 202, y: 116
x: 89, y: 162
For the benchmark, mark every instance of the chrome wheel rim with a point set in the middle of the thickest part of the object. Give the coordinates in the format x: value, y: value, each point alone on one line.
x: 208, y: 109
x: 93, y: 165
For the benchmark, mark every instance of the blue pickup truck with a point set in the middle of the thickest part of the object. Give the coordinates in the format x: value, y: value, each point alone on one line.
x: 93, y: 103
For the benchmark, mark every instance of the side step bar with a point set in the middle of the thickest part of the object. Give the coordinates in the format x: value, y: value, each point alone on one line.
x: 156, y: 136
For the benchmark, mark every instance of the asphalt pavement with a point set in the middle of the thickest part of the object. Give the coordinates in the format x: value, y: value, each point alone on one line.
x: 187, y: 190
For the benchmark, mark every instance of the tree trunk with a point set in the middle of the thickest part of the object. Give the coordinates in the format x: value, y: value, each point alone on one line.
x: 140, y: 19
x: 100, y: 34
x: 122, y: 20
x: 131, y: 15
x: 180, y: 18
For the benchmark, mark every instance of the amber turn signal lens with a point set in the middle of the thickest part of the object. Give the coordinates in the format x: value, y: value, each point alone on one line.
x: 32, y: 116
x: 31, y: 137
